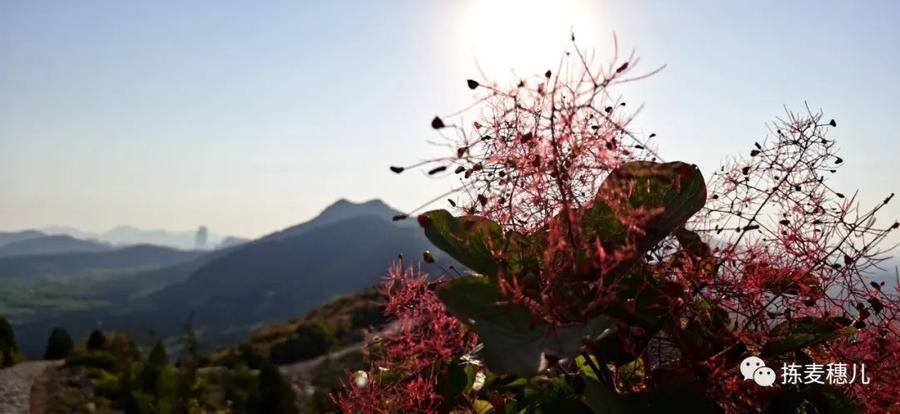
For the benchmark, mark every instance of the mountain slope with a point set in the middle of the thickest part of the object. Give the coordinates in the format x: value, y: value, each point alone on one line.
x: 276, y: 279
x: 51, y: 245
x: 15, y: 236
x: 48, y: 287
x: 70, y: 264
x: 262, y: 281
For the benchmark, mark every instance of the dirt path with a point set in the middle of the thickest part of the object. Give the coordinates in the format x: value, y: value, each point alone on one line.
x: 16, y: 383
x: 300, y: 374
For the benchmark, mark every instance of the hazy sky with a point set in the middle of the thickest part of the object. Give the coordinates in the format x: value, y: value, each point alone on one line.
x: 252, y: 116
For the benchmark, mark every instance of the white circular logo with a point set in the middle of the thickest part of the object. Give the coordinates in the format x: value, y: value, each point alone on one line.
x: 750, y: 364
x: 764, y: 376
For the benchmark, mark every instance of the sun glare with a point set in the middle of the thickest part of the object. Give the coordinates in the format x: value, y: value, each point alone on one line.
x: 512, y: 38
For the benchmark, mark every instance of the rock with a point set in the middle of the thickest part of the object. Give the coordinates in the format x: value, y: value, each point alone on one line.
x: 15, y: 385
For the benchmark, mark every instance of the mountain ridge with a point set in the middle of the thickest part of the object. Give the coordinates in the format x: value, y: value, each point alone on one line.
x: 340, y: 209
x: 8, y: 237
x: 346, y: 247
x: 128, y: 235
x: 46, y: 245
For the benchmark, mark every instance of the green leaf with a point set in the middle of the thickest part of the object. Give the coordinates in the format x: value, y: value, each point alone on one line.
x: 513, y: 342
x: 582, y: 363
x: 476, y: 298
x: 800, y: 333
x: 706, y: 332
x: 672, y: 191
x: 470, y: 371
x: 522, y: 252
x: 640, y: 285
x: 482, y: 407
x: 516, y: 383
x: 600, y: 220
x: 697, y: 250
x: 471, y: 240
x: 456, y: 381
x: 639, y: 302
x: 543, y: 393
x: 633, y: 372
x: 692, y: 244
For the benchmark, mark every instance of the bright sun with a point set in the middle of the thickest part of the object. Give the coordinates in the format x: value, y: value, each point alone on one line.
x: 511, y: 38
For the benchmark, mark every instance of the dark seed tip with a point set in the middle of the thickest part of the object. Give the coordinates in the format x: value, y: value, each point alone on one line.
x: 437, y: 123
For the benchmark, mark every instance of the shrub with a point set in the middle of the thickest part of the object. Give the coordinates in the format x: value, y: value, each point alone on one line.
x: 106, y: 385
x: 308, y: 341
x: 94, y: 359
x: 59, y: 344
x: 156, y: 362
x: 158, y: 356
x: 368, y: 315
x: 8, y: 347
x: 96, y: 341
x: 248, y: 356
x: 122, y: 345
x: 275, y: 394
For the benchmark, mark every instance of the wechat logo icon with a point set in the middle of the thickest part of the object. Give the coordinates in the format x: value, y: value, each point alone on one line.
x: 754, y: 368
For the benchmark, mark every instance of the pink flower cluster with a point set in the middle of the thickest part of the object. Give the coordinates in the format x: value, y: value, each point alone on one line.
x: 417, y: 345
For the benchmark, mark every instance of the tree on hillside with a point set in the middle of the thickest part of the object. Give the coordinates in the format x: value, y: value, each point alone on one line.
x: 367, y: 316
x: 250, y: 357
x: 190, y: 356
x: 59, y: 344
x: 158, y: 356
x: 156, y: 361
x: 275, y: 394
x: 8, y: 347
x: 308, y: 341
x: 122, y: 346
x: 97, y: 341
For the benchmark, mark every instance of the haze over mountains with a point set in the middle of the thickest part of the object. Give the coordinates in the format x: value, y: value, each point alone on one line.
x: 43, y: 244
x: 129, y: 235
x: 224, y: 293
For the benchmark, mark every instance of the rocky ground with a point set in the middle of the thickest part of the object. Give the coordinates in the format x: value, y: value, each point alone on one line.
x: 16, y: 385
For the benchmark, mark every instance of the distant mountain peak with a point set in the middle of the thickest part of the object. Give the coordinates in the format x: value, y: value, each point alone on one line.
x: 373, y: 202
x: 344, y: 209
x: 341, y: 209
x: 374, y: 207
